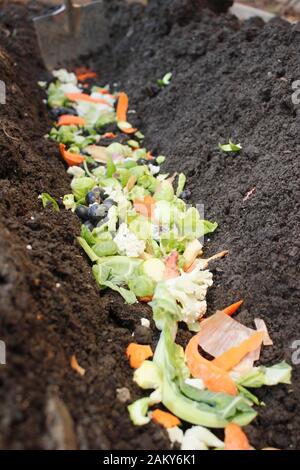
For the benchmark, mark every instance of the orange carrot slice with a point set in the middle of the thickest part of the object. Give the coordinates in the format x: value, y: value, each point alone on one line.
x: 69, y: 120
x: 235, y: 438
x: 84, y: 97
x: 122, y: 107
x: 215, y: 379
x: 70, y: 158
x: 137, y: 354
x: 233, y: 356
x: 231, y: 309
x: 165, y: 419
x: 171, y: 264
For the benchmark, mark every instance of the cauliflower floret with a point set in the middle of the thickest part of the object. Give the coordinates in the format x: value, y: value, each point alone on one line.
x: 190, y: 290
x: 200, y: 438
x: 64, y: 76
x: 128, y: 244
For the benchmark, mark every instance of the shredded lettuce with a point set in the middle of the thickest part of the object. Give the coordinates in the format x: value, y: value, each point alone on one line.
x: 47, y: 199
x: 138, y: 411
x: 142, y: 286
x: 230, y: 147
x: 116, y: 272
x: 180, y: 184
x: 166, y: 80
x: 81, y: 186
x: 88, y: 250
x: 274, y: 375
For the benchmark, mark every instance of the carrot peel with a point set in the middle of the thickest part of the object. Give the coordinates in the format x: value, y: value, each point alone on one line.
x: 69, y: 120
x: 233, y: 356
x: 122, y: 107
x: 70, y: 158
x: 231, y: 309
x: 82, y: 77
x: 215, y: 379
x: 85, y: 97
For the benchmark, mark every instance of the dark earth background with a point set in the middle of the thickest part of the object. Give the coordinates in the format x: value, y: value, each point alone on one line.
x: 229, y: 80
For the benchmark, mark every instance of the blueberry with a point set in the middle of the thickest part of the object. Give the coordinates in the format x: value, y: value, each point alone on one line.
x: 89, y: 225
x: 96, y: 212
x: 100, y: 192
x: 94, y: 196
x: 56, y: 112
x: 142, y: 161
x: 108, y: 203
x: 82, y: 212
x: 186, y: 194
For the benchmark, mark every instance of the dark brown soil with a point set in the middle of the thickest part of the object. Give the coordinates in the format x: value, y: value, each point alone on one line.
x: 228, y: 81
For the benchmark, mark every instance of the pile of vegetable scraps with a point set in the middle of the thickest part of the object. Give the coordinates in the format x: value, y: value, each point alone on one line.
x: 144, y: 242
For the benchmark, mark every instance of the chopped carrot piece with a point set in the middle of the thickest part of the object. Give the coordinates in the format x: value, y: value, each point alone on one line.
x: 165, y: 419
x: 109, y: 135
x: 137, y: 354
x: 82, y: 77
x: 231, y: 309
x: 122, y: 107
x: 70, y: 158
x: 145, y: 207
x: 68, y: 120
x: 75, y: 366
x: 215, y: 379
x: 235, y: 438
x: 233, y: 356
x: 146, y: 299
x: 171, y: 264
x: 85, y: 97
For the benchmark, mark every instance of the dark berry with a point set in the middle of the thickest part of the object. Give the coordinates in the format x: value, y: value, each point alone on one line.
x: 89, y: 225
x: 96, y: 212
x: 109, y: 203
x: 82, y: 212
x: 57, y: 112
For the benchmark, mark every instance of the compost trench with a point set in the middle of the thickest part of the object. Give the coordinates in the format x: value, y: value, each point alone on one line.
x: 229, y: 80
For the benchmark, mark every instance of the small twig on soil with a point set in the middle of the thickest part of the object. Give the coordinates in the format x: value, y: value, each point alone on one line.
x: 8, y: 135
x: 249, y: 194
